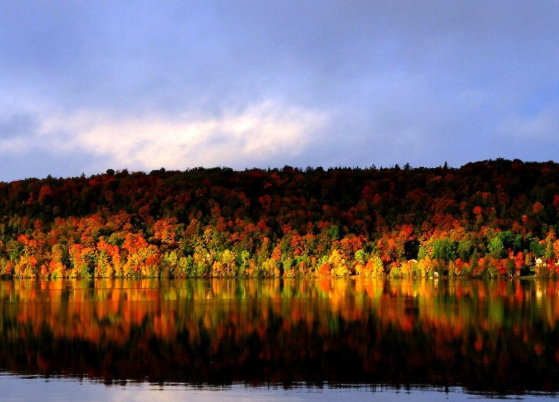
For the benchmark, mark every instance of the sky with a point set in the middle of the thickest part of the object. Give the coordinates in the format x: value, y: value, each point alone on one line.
x: 90, y: 85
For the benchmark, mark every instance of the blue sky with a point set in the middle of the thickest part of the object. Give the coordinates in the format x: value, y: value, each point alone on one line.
x: 86, y: 86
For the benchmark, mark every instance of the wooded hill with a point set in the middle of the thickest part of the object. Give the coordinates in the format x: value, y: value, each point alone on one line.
x: 486, y: 218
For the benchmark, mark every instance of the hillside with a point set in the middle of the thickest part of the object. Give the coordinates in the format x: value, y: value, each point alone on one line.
x: 485, y: 218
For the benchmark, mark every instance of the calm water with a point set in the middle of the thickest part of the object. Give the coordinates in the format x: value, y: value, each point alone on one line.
x: 278, y: 340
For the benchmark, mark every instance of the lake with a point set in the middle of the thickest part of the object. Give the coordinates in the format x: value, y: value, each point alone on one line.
x: 322, y: 339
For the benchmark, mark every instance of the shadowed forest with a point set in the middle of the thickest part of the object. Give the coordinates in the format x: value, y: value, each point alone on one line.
x: 489, y: 218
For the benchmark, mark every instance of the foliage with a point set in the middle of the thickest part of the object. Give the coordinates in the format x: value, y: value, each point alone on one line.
x: 284, y: 222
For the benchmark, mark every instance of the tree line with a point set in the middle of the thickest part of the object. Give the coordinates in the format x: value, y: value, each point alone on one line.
x: 488, y: 218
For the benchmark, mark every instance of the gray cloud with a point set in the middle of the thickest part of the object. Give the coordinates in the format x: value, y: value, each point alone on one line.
x: 421, y: 82
x: 39, y: 162
x: 17, y: 126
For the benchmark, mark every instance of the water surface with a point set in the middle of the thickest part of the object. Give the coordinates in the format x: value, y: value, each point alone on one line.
x: 288, y: 339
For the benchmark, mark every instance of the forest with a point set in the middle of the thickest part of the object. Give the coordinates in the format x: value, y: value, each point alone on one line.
x: 485, y: 219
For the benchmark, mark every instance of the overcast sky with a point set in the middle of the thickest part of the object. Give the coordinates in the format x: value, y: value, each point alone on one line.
x: 91, y: 85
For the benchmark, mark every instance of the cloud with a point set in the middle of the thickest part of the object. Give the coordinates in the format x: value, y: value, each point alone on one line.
x: 25, y: 150
x: 17, y: 125
x: 542, y: 126
x: 255, y: 135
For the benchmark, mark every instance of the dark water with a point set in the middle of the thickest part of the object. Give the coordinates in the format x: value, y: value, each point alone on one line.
x: 278, y: 340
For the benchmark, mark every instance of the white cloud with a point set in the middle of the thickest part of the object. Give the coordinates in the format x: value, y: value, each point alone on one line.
x: 250, y: 137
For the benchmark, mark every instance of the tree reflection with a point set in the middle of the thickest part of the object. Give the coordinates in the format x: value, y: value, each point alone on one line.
x: 484, y: 335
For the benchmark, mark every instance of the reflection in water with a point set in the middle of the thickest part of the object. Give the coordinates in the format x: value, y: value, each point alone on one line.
x: 485, y: 336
